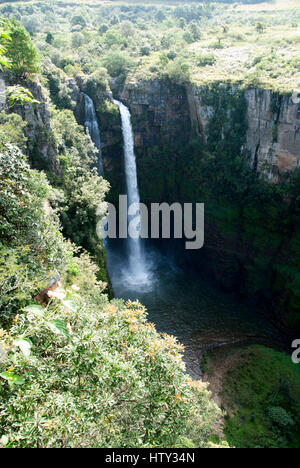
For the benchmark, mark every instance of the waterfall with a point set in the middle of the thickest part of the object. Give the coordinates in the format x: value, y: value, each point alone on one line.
x: 136, y: 262
x: 91, y: 123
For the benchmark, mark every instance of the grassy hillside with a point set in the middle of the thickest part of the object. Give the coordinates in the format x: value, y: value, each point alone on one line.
x: 256, y: 44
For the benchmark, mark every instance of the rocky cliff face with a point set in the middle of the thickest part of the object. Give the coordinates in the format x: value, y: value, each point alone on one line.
x: 162, y: 111
x: 38, y: 130
x: 41, y: 146
x: 159, y: 111
x: 273, y: 136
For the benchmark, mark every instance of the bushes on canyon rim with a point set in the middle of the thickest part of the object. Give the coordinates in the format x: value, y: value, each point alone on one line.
x: 189, y: 30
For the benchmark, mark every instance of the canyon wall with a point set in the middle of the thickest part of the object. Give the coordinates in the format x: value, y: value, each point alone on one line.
x: 164, y: 110
x: 41, y: 147
x: 159, y: 111
x: 273, y: 135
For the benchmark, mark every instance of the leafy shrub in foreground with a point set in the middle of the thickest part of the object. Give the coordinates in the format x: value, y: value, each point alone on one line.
x: 81, y: 374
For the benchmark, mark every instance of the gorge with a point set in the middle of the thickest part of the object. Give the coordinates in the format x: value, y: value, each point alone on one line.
x: 215, y: 324
x: 210, y: 318
x: 134, y: 342
x: 170, y: 156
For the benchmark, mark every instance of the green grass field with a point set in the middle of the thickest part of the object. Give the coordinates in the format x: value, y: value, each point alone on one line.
x: 259, y: 389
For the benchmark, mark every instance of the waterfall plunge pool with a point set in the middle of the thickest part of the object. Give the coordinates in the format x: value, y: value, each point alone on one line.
x: 181, y: 303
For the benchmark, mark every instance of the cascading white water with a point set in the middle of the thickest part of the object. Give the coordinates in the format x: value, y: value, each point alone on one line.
x: 137, y: 268
x: 91, y: 123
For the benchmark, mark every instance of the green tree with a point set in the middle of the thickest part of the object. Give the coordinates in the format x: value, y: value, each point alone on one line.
x: 195, y: 32
x: 117, y: 63
x: 21, y: 51
x: 78, y: 20
x: 77, y: 39
x: 127, y: 29
x: 31, y: 23
x: 178, y: 71
x: 4, y: 39
x: 96, y: 83
x: 145, y: 49
x: 260, y: 27
x: 12, y: 129
x: 113, y: 37
x: 49, y: 38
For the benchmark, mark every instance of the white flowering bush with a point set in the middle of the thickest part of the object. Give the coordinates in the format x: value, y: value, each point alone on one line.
x: 80, y: 374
